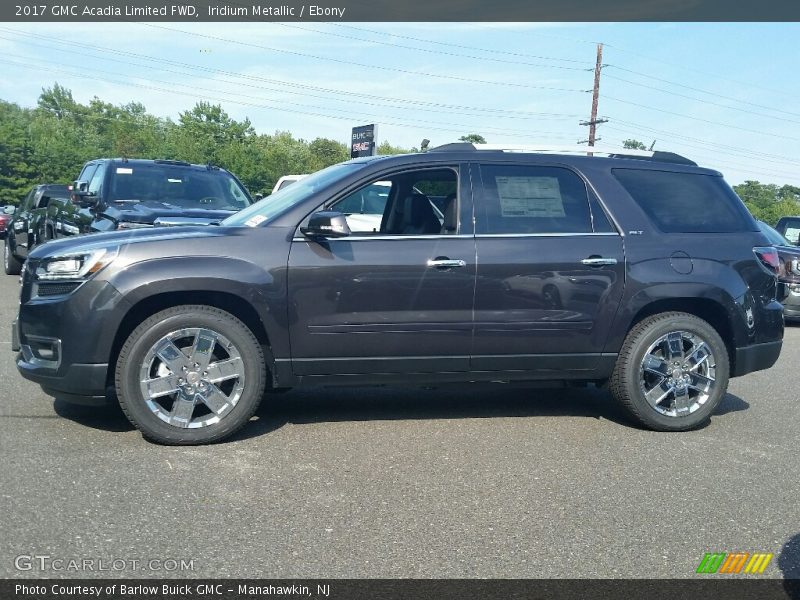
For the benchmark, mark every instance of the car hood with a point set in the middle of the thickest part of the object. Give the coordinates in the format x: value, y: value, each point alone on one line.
x: 94, y: 241
x: 148, y: 212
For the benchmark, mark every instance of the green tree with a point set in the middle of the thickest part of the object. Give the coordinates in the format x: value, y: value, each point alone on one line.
x: 386, y: 148
x: 767, y: 201
x: 326, y: 152
x: 205, y: 130
x: 472, y: 138
x: 16, y: 152
x: 633, y: 145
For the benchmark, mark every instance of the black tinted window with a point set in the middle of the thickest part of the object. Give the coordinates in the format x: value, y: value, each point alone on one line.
x: 531, y: 199
x: 176, y: 186
x: 685, y: 202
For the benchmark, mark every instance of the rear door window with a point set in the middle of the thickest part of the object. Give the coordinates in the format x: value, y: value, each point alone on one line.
x: 529, y: 199
x: 686, y: 202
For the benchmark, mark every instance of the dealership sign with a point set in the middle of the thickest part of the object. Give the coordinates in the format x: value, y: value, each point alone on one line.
x: 364, y: 141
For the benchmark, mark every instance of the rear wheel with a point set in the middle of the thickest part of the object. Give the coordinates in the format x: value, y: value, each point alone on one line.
x: 672, y: 372
x: 190, y: 375
x: 10, y: 262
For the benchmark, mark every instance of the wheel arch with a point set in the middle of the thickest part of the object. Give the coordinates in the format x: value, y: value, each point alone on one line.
x: 710, y: 310
x: 234, y: 304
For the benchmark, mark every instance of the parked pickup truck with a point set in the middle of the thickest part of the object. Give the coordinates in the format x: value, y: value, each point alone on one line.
x: 124, y: 193
x: 32, y: 223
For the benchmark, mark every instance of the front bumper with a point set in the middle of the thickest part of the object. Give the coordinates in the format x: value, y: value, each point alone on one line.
x: 63, y: 341
x: 756, y: 357
x: 81, y: 384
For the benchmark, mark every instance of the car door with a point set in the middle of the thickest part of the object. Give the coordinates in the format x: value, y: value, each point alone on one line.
x: 21, y: 228
x: 550, y: 273
x: 394, y: 296
x: 72, y: 219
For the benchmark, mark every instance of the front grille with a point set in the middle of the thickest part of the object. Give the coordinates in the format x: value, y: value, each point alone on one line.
x: 57, y: 288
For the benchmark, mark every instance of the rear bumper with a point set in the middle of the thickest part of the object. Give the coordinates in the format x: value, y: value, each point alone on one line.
x: 756, y: 357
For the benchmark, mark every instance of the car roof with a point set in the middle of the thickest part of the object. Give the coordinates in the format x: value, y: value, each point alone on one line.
x: 579, y: 159
x: 158, y: 161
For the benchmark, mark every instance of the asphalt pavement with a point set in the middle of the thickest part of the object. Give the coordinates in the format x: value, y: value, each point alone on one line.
x: 491, y: 481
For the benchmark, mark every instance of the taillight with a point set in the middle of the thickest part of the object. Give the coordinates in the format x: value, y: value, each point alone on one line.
x: 768, y: 257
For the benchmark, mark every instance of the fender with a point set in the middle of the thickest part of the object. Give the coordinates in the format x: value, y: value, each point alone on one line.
x: 264, y: 291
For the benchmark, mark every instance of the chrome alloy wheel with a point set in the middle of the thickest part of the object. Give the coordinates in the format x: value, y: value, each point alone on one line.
x: 192, y: 377
x: 677, y: 374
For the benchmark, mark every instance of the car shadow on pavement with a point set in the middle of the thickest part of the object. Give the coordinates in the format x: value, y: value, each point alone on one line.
x: 789, y: 564
x: 320, y: 405
x: 107, y: 418
x: 729, y: 404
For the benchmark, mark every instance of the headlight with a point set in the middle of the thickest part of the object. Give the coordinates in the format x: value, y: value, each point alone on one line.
x: 794, y: 289
x: 75, y: 265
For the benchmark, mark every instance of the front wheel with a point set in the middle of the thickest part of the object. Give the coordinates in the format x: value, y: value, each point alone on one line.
x: 190, y: 375
x: 672, y: 372
x: 11, y: 264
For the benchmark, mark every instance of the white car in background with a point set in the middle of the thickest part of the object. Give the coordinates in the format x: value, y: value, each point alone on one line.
x: 287, y: 180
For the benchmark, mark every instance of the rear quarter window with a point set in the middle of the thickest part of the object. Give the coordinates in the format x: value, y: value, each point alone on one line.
x: 686, y: 202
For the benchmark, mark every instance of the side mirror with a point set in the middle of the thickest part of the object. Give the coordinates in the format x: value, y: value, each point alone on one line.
x: 326, y: 224
x: 82, y: 196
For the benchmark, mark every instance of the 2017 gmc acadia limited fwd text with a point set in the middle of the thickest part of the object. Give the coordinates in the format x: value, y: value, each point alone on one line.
x: 644, y: 272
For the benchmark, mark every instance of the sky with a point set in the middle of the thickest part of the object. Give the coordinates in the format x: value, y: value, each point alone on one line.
x: 722, y: 94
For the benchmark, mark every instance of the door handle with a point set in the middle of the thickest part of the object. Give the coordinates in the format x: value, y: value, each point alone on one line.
x: 446, y: 263
x: 598, y: 261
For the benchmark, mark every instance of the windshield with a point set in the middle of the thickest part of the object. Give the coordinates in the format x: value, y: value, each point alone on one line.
x: 775, y: 238
x: 289, y: 196
x: 177, y: 186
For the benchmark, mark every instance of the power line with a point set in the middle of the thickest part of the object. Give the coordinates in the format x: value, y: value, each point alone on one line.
x: 430, y: 51
x: 685, y: 116
x: 336, y: 92
x: 696, y: 89
x: 349, y: 117
x: 683, y: 67
x: 639, y: 54
x: 446, y: 44
x: 738, y: 150
x: 448, y: 111
x: 364, y: 65
x: 714, y: 158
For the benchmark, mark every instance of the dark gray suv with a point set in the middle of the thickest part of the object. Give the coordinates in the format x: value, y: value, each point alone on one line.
x: 642, y: 272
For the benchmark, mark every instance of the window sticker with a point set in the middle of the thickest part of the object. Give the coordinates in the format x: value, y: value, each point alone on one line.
x: 792, y: 234
x: 255, y: 220
x: 124, y: 171
x: 530, y: 197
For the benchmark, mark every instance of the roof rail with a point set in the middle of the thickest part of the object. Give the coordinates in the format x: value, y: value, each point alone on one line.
x: 165, y: 161
x: 656, y: 155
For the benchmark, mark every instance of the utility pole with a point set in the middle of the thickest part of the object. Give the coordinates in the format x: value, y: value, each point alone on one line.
x: 593, y: 122
x: 595, y: 94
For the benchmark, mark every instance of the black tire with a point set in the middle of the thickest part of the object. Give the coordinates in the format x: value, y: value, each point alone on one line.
x: 11, y: 264
x: 630, y: 380
x: 136, y: 354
